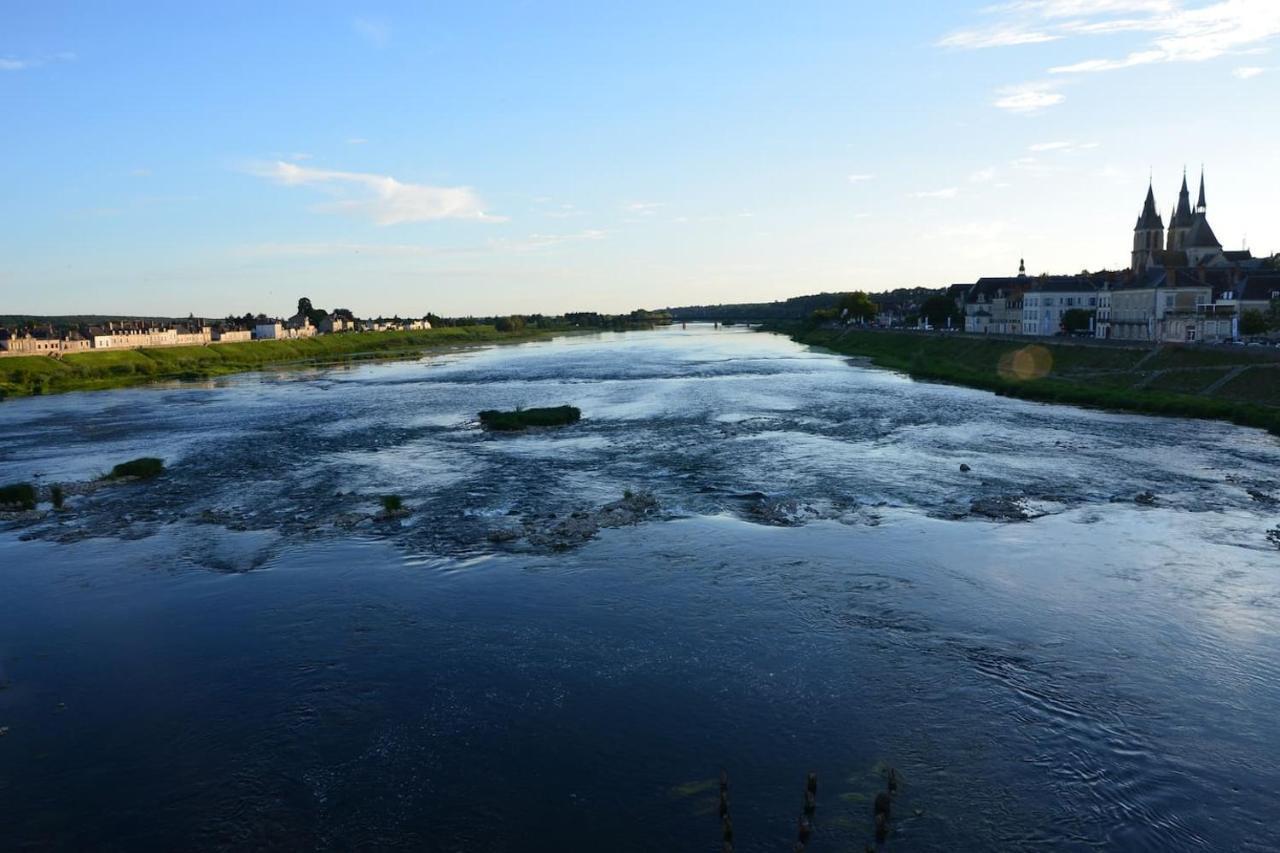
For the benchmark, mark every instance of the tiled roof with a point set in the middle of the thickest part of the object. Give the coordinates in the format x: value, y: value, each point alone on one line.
x: 1201, y: 236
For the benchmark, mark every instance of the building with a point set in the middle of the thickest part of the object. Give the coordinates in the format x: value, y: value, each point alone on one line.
x: 1158, y: 305
x: 132, y: 336
x: 43, y: 341
x: 995, y: 305
x: 271, y: 330
x: 1189, y: 240
x: 1050, y: 297
x: 229, y: 335
x: 299, y: 326
x: 334, y: 324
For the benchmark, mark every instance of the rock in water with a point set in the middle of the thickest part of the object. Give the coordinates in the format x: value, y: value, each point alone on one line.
x: 1000, y: 508
x: 882, y: 815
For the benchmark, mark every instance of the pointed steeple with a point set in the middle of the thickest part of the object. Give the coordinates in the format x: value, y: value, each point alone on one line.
x: 1200, y: 205
x: 1150, y: 219
x: 1182, y: 216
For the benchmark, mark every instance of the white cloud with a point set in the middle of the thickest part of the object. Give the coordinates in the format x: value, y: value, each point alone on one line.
x: 1061, y: 146
x: 1028, y: 98
x: 323, y: 249
x: 1175, y: 31
x: 949, y: 192
x: 645, y: 208
x: 535, y: 242
x: 326, y: 249
x: 857, y: 179
x: 999, y: 37
x: 13, y: 63
x: 381, y: 198
x: 373, y: 30
x: 983, y: 176
x: 1248, y: 73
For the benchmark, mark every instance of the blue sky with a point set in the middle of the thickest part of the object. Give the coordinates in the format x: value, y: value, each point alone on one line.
x: 515, y: 157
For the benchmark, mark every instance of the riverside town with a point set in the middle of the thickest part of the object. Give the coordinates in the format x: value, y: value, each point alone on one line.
x: 508, y: 427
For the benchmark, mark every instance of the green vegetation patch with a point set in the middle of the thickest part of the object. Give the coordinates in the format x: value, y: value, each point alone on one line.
x: 101, y: 369
x: 525, y: 418
x: 1252, y: 399
x: 142, y: 469
x: 20, y: 495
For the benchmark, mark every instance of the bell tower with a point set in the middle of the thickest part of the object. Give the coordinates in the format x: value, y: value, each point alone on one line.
x: 1148, y: 234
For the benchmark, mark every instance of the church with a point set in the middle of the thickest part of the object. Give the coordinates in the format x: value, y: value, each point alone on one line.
x: 1189, y: 241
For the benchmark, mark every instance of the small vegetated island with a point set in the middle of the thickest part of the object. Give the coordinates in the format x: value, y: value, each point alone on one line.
x: 521, y: 419
x: 136, y: 469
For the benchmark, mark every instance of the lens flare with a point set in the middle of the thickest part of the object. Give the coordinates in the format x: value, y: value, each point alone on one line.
x: 1030, y: 362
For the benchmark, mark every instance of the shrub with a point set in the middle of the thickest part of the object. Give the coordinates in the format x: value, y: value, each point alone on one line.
x: 57, y: 497
x: 524, y: 418
x: 20, y: 495
x: 144, y: 469
x: 391, y: 503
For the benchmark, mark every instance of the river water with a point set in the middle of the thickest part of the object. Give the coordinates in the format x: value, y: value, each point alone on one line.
x: 236, y: 656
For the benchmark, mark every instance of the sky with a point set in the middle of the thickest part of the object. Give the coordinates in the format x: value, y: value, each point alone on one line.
x: 518, y: 157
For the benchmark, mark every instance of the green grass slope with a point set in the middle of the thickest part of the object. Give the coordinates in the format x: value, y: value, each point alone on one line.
x: 1242, y: 387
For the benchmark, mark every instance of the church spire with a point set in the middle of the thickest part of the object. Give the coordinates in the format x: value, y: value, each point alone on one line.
x: 1150, y: 218
x: 1022, y: 267
x: 1182, y: 215
x: 1200, y: 205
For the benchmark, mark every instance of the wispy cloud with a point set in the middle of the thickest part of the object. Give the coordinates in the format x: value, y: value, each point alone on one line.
x: 380, y: 198
x: 332, y: 249
x: 375, y: 31
x: 995, y: 37
x: 339, y: 248
x: 644, y: 208
x: 536, y: 242
x: 948, y: 192
x: 1178, y: 32
x: 1248, y: 72
x: 14, y: 63
x: 1195, y: 35
x: 1061, y: 146
x: 1028, y: 98
x: 983, y: 176
x: 857, y: 179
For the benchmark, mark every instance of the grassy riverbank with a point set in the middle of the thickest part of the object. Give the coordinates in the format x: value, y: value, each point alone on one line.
x: 28, y: 375
x: 1241, y: 386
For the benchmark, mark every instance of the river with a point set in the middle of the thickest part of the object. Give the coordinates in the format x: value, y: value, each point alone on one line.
x: 237, y: 656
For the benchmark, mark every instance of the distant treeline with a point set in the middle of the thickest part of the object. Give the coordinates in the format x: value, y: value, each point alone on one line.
x: 796, y: 308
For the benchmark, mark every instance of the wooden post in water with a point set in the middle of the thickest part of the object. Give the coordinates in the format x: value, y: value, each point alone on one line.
x: 804, y: 829
x: 726, y: 823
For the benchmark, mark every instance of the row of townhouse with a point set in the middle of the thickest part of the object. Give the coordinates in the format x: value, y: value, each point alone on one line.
x: 1155, y: 304
x: 45, y: 340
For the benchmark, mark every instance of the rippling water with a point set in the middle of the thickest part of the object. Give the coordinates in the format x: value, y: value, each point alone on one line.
x: 236, y: 656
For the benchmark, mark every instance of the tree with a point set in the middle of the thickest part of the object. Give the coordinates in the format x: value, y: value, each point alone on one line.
x: 823, y: 315
x: 937, y: 310
x: 510, y: 324
x: 857, y: 306
x: 304, y: 306
x: 1076, y: 320
x: 1253, y: 323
